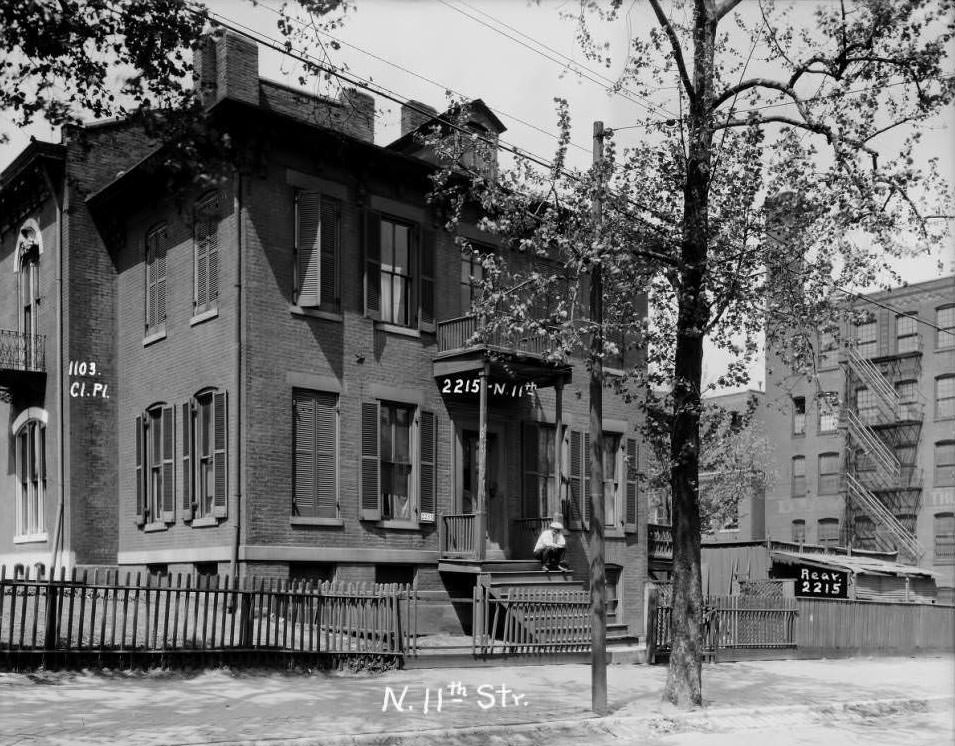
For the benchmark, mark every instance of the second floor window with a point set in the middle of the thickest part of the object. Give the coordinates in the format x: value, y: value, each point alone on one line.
x: 799, y: 532
x: 399, y: 272
x: 827, y: 532
x: 205, y: 438
x: 156, y: 246
x: 315, y: 453
x: 155, y: 470
x: 317, y: 250
x: 799, y: 415
x: 472, y: 274
x: 206, y: 250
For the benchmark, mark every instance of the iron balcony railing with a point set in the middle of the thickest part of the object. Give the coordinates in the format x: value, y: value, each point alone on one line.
x: 660, y: 541
x: 22, y: 352
x: 467, y: 332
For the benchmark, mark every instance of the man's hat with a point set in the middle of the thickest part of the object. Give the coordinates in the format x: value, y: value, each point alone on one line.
x: 557, y: 524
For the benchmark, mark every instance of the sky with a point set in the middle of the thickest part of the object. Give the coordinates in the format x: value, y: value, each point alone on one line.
x: 512, y: 54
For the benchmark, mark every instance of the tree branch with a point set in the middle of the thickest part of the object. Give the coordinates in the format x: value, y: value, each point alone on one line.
x: 726, y: 7
x: 819, y: 129
x: 675, y: 45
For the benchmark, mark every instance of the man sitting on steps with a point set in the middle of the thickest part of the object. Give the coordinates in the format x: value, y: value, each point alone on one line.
x: 550, y: 547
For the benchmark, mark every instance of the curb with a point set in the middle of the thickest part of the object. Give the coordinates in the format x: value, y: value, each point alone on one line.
x: 528, y: 733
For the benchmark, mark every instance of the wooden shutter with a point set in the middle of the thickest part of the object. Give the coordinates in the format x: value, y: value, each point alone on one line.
x: 329, y: 295
x: 206, y: 233
x: 576, y: 480
x: 188, y: 496
x: 529, y: 463
x: 326, y: 455
x: 303, y: 436
x: 202, y: 264
x: 219, y: 453
x: 630, y: 493
x: 140, y: 477
x: 370, y: 490
x: 168, y: 465
x: 428, y: 431
x: 160, y: 271
x: 588, y: 500
x: 426, y: 280
x: 307, y: 248
x: 372, y: 264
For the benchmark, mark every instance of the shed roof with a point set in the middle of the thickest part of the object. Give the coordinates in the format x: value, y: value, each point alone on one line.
x: 850, y: 563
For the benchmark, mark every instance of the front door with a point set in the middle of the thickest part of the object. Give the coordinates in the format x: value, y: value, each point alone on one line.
x: 468, y: 481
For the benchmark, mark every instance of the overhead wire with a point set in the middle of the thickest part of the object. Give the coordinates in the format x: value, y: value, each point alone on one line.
x: 896, y: 311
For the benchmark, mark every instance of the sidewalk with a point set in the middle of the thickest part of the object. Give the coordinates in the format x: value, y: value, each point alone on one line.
x: 498, y: 704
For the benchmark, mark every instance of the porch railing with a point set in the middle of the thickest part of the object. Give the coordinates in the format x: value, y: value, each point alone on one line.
x: 526, y: 531
x: 660, y: 541
x: 463, y: 332
x: 22, y: 352
x: 458, y: 535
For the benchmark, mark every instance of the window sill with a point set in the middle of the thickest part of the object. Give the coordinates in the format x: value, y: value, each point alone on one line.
x: 827, y: 432
x: 799, y: 435
x: 304, y: 520
x: 402, y: 331
x: 614, y: 532
x: 205, y: 521
x: 154, y: 336
x: 401, y: 525
x: 30, y: 538
x: 156, y: 526
x: 199, y: 317
x: 315, y: 313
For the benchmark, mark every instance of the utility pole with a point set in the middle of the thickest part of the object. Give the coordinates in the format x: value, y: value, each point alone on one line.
x: 598, y: 612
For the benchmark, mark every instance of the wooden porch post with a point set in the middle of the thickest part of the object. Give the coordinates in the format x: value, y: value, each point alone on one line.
x: 558, y: 450
x: 480, y: 524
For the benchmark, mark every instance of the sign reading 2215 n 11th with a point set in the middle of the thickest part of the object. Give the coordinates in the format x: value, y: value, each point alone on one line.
x: 819, y: 583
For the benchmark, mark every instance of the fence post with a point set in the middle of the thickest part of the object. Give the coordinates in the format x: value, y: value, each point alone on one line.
x: 652, y: 623
x: 245, y: 613
x: 52, y: 607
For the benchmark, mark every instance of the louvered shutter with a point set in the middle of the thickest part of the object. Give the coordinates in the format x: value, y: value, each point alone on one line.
x: 426, y: 280
x: 303, y: 501
x: 187, y: 478
x: 206, y: 233
x: 168, y: 465
x: 530, y: 459
x: 307, y: 248
x: 160, y: 270
x: 202, y: 264
x: 576, y: 480
x: 331, y: 247
x: 213, y: 252
x: 140, y: 483
x: 588, y: 500
x: 630, y: 495
x: 426, y: 498
x: 370, y: 490
x: 372, y: 264
x: 219, y: 453
x: 326, y: 454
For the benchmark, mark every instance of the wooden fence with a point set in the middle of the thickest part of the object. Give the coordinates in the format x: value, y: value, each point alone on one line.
x: 522, y: 621
x: 93, y: 612
x: 807, y: 627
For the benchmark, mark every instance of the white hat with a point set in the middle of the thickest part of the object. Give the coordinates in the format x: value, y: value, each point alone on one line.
x: 557, y: 524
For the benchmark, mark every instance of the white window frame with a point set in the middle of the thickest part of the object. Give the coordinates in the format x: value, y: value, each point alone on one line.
x: 29, y: 432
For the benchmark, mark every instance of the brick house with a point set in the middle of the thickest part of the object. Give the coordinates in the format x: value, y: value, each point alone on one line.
x: 274, y: 376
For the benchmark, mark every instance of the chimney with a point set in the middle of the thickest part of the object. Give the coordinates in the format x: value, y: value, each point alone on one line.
x: 359, y: 119
x: 412, y: 118
x: 227, y: 66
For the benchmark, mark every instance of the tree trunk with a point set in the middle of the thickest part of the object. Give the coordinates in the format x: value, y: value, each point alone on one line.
x: 684, y: 677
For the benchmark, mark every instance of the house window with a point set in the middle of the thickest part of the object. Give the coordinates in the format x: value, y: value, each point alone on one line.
x: 155, y: 480
x: 315, y: 453
x: 867, y: 406
x: 945, y: 396
x: 863, y: 530
x: 206, y: 251
x: 317, y: 250
x: 906, y: 333
x: 472, y: 275
x: 828, y: 349
x: 394, y: 573
x: 799, y: 415
x: 204, y: 468
x: 399, y: 272
x: 827, y: 532
x: 312, y: 573
x: 799, y: 531
x: 866, y: 338
x: 945, y: 463
x: 829, y: 476
x: 538, y: 467
x: 620, y: 464
x: 828, y: 412
x: 156, y: 246
x: 799, y: 476
x: 908, y: 392
x: 613, y: 466
x: 945, y: 538
x: 945, y: 321
x: 31, y: 479
x: 612, y: 593
x: 399, y: 447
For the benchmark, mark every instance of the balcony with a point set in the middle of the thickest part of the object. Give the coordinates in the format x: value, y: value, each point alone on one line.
x: 22, y: 359
x: 464, y: 345
x: 659, y: 543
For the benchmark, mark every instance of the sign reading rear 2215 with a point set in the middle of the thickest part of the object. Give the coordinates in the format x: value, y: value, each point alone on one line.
x: 813, y: 581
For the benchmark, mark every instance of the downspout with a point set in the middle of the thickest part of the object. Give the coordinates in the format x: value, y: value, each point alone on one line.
x: 237, y: 208
x: 61, y: 206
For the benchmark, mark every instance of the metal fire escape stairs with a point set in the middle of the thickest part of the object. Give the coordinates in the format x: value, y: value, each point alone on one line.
x: 887, y: 467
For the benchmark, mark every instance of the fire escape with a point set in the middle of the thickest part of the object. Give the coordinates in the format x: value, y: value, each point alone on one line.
x: 883, y: 423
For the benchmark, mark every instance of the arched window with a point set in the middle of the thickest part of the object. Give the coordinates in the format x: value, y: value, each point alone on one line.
x: 29, y: 430
x: 827, y: 532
